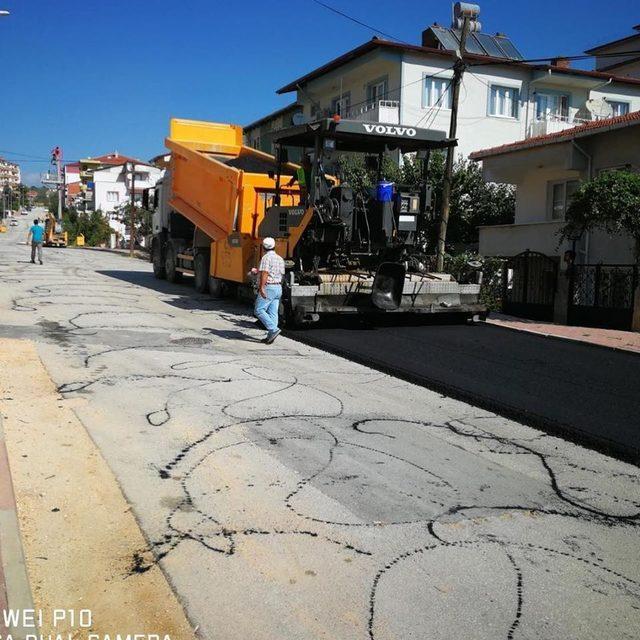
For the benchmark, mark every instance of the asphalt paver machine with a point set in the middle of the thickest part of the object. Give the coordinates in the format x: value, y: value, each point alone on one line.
x: 364, y: 253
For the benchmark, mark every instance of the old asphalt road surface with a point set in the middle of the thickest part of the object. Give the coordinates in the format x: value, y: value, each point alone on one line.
x: 587, y: 393
x: 288, y: 493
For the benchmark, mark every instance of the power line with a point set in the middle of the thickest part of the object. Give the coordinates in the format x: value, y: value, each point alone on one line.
x: 435, y: 109
x: 25, y: 155
x: 359, y: 22
x: 584, y: 56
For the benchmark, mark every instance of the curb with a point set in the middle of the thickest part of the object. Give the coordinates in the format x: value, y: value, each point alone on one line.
x: 555, y: 336
x: 15, y: 590
x: 140, y: 255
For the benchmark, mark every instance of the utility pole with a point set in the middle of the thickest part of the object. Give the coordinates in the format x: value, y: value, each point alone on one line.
x: 56, y: 157
x: 465, y: 19
x: 133, y: 205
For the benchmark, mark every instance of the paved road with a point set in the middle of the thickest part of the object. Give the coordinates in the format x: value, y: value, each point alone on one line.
x: 289, y: 493
x: 589, y: 393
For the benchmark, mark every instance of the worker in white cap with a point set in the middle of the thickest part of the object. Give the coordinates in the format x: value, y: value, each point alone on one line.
x: 270, y: 274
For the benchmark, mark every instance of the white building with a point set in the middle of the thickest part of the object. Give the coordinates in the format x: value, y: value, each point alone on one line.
x: 502, y: 99
x: 546, y: 172
x: 112, y: 185
x: 9, y: 173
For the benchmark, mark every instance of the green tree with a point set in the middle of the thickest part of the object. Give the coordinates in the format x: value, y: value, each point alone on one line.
x: 610, y: 201
x: 93, y: 226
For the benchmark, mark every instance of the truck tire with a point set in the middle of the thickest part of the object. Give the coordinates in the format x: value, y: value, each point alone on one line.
x: 216, y: 287
x: 158, y: 260
x: 171, y: 262
x: 201, y: 271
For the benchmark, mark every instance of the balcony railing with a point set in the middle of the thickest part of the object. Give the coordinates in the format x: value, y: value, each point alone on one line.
x: 385, y: 111
x: 553, y: 123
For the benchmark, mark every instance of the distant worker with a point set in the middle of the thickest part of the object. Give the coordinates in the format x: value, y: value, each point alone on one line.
x: 36, y: 237
x: 303, y: 177
x: 270, y: 274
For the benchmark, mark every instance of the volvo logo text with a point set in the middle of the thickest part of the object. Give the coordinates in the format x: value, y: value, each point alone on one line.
x: 390, y: 130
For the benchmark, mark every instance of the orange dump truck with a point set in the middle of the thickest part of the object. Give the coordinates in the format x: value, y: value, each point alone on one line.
x: 346, y: 251
x: 209, y: 204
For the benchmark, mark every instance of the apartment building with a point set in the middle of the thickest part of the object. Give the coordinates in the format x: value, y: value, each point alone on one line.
x: 112, y: 185
x: 619, y: 56
x: 502, y: 98
x: 105, y: 183
x: 9, y: 173
x: 259, y: 134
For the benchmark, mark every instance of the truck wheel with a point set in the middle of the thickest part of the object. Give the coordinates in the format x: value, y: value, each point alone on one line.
x: 171, y: 262
x: 216, y: 287
x: 201, y: 272
x: 158, y: 261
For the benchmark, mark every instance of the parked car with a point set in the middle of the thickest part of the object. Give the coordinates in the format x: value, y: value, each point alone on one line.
x: 13, y: 223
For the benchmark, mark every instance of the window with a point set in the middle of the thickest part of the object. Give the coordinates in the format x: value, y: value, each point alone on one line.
x: 504, y: 101
x: 340, y: 105
x: 377, y: 90
x: 619, y: 108
x: 437, y: 92
x: 112, y: 196
x: 552, y: 106
x: 560, y: 197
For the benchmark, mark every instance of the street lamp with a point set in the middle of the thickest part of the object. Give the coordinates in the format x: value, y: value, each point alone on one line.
x: 4, y: 13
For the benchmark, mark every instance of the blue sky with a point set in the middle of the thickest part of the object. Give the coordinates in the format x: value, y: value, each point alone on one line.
x: 97, y: 76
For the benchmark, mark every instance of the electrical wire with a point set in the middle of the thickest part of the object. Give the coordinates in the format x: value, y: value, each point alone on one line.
x: 583, y: 56
x: 25, y: 155
x: 358, y: 22
x: 433, y: 107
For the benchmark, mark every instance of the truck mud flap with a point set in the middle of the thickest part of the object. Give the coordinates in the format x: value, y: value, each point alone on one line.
x: 386, y: 292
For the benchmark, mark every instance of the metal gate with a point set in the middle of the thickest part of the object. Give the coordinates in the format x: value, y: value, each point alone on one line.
x: 602, y: 295
x: 529, y: 285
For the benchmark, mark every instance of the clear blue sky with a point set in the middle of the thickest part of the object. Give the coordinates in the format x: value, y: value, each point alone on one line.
x: 94, y: 76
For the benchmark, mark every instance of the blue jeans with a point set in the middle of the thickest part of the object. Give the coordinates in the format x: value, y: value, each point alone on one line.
x: 266, y: 309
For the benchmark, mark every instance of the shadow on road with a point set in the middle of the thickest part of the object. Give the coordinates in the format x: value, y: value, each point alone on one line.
x: 232, y: 334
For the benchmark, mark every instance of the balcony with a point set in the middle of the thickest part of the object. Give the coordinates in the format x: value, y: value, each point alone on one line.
x: 384, y: 111
x: 555, y: 123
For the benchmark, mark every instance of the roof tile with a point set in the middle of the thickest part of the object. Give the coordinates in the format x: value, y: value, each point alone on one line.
x: 560, y: 136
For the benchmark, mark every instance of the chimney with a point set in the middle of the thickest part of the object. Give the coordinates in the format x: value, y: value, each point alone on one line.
x: 561, y: 63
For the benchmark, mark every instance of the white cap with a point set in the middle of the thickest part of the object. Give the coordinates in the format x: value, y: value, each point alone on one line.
x: 269, y: 243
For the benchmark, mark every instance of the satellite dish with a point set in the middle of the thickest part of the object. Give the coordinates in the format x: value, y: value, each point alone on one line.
x: 599, y: 108
x: 298, y: 118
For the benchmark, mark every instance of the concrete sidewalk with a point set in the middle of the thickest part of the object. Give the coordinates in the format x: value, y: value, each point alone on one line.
x: 15, y: 592
x: 623, y: 340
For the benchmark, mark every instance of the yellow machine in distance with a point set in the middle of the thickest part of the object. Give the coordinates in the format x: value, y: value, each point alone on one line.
x: 54, y: 236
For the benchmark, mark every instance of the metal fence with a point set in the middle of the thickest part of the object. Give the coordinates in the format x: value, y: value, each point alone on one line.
x: 602, y: 295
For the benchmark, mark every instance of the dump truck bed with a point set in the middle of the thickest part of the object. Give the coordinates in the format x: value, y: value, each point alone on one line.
x: 219, y: 184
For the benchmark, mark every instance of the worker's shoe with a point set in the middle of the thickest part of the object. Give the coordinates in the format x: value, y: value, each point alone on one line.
x: 33, y: 262
x: 271, y: 336
x: 40, y: 261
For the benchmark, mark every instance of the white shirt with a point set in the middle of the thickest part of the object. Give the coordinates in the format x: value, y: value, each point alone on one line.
x: 273, y: 264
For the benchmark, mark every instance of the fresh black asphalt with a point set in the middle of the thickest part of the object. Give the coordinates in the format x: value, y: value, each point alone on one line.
x: 583, y: 392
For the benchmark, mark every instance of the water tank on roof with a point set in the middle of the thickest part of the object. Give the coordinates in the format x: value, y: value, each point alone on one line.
x: 462, y: 10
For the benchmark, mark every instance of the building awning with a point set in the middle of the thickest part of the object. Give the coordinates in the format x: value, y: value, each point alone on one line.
x: 364, y: 137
